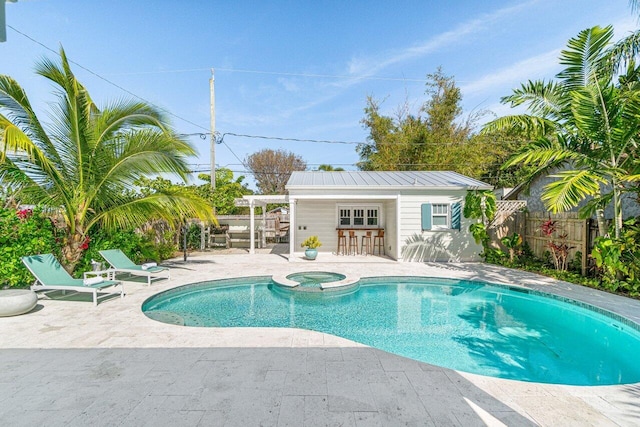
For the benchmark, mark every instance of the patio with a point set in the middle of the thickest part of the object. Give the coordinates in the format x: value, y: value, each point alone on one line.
x: 68, y: 363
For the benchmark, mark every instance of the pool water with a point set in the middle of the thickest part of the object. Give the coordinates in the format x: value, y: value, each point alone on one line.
x: 463, y: 325
x: 315, y: 278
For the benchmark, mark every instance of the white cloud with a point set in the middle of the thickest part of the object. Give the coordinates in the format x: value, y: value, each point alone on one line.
x: 625, y: 26
x: 368, y: 66
x: 541, y: 66
x: 536, y: 67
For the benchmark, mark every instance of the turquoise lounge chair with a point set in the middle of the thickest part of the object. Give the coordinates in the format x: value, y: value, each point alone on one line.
x: 121, y: 263
x: 51, y: 276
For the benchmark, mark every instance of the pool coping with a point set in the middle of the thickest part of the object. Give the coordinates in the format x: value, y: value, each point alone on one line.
x: 70, y: 326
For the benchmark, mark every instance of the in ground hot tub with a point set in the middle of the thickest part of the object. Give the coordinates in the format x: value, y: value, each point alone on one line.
x: 316, y: 281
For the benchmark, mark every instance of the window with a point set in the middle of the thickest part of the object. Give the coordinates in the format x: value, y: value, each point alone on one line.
x: 362, y: 216
x: 439, y: 216
x: 372, y: 217
x: 358, y: 217
x: 345, y: 217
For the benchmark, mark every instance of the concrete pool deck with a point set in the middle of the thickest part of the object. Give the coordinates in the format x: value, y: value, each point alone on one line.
x: 69, y: 363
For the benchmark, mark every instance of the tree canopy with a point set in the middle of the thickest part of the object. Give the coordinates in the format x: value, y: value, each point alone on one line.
x: 272, y: 169
x: 585, y: 122
x: 436, y: 137
x: 81, y: 163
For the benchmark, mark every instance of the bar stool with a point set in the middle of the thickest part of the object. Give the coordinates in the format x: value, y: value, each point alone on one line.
x: 342, y: 243
x: 366, y: 246
x: 378, y: 242
x: 353, y: 243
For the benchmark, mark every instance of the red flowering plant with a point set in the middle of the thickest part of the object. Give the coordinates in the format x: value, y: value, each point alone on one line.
x: 24, y: 213
x: 558, y: 247
x: 85, y: 245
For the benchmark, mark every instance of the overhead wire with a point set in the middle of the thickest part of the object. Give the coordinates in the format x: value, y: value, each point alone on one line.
x: 119, y: 87
x: 219, y: 137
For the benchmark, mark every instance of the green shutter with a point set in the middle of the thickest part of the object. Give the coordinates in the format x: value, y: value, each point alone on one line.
x: 426, y: 216
x: 455, y: 216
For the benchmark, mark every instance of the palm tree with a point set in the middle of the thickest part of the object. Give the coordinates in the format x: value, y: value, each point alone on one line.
x: 81, y: 164
x: 585, y: 121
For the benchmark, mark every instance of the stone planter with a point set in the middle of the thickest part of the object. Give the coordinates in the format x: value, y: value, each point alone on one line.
x: 311, y: 254
x: 17, y: 301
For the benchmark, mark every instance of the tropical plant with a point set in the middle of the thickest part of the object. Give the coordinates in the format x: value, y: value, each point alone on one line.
x: 619, y: 259
x: 513, y: 244
x: 23, y: 232
x: 557, y: 244
x: 583, y: 125
x: 227, y: 190
x: 80, y: 165
x: 311, y: 242
x: 480, y: 205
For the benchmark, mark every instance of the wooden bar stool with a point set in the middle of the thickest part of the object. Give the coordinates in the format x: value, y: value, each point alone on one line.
x: 378, y: 242
x: 353, y: 243
x: 342, y: 243
x: 365, y: 245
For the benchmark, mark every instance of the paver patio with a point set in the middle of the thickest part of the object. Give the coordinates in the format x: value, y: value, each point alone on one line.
x: 69, y: 363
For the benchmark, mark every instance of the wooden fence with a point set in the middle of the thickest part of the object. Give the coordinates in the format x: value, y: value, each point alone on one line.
x: 580, y: 233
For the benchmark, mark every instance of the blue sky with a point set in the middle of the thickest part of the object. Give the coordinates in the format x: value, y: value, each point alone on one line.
x: 296, y: 69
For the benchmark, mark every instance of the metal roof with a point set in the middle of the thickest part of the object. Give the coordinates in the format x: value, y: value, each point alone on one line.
x: 386, y: 179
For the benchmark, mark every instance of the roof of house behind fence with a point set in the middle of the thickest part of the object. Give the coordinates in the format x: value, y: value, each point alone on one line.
x: 386, y: 179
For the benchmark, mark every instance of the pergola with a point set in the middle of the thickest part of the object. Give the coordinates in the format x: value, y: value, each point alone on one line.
x: 259, y: 200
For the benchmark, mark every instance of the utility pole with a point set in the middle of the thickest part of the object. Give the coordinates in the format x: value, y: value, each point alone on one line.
x: 213, y: 130
x: 3, y: 25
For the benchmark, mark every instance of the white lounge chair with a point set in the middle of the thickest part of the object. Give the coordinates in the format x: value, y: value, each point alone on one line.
x: 51, y: 276
x: 121, y: 263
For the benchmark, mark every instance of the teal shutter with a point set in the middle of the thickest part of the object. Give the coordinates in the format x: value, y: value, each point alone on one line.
x: 426, y: 216
x: 455, y: 216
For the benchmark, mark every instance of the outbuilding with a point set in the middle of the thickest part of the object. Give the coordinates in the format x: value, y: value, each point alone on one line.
x: 418, y: 214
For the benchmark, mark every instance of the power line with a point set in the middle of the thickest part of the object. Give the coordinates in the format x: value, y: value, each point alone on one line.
x: 122, y: 88
x: 280, y: 138
x: 220, y: 140
x: 107, y: 80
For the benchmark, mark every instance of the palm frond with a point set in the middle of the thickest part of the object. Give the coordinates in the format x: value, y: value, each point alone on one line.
x: 570, y: 189
x: 543, y: 152
x: 173, y: 205
x: 531, y: 126
x: 541, y: 98
x: 583, y: 55
x: 621, y: 53
x: 593, y: 205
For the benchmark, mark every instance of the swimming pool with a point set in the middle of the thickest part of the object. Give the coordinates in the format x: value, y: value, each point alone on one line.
x: 469, y: 326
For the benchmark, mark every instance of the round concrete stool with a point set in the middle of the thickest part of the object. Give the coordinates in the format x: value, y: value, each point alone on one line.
x: 17, y: 301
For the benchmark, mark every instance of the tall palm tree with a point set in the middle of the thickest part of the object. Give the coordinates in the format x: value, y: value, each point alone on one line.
x: 80, y: 164
x: 587, y: 121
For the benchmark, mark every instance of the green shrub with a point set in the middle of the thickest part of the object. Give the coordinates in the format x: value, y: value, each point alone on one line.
x: 619, y: 259
x: 23, y: 233
x: 194, y: 233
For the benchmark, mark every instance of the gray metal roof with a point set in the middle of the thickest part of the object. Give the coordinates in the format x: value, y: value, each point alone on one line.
x: 387, y: 179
